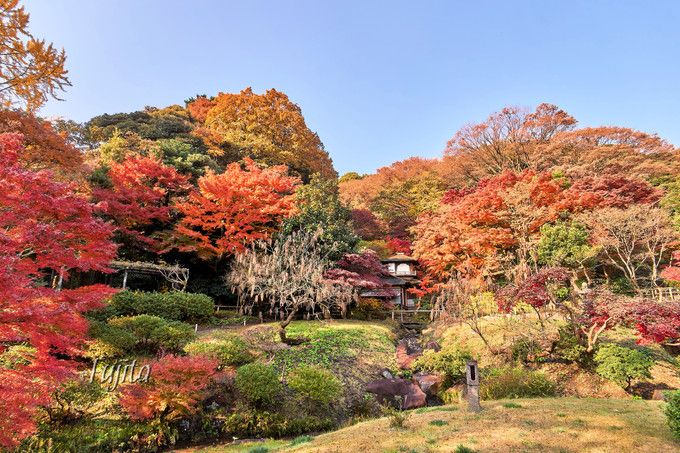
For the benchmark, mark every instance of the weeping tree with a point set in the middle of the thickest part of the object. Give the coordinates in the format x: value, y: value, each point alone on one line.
x: 286, y: 275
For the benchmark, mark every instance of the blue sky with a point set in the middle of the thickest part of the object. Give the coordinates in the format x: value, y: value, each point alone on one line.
x: 379, y: 81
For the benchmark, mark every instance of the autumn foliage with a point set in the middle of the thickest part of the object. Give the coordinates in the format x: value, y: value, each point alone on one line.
x: 31, y: 70
x: 231, y: 210
x: 139, y: 199
x: 268, y: 128
x: 47, y: 228
x: 176, y: 387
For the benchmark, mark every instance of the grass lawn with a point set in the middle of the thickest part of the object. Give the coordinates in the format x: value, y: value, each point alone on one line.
x: 523, y: 425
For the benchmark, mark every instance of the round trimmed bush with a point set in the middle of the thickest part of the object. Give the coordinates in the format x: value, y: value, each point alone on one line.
x: 230, y: 351
x: 315, y: 384
x: 258, y: 383
x: 174, y: 305
x: 109, y: 341
x: 623, y: 365
x: 150, y: 333
x: 449, y: 362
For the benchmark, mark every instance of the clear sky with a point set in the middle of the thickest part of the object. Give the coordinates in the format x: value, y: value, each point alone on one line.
x: 378, y: 80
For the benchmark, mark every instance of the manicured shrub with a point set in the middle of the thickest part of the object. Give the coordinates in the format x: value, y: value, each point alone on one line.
x: 499, y: 383
x: 230, y: 351
x: 148, y: 333
x: 449, y: 362
x: 315, y: 384
x: 109, y: 341
x: 174, y: 305
x: 672, y: 411
x: 623, y: 365
x: 258, y: 383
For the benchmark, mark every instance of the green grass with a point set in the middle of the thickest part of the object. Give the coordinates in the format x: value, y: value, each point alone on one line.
x: 587, y: 425
x: 511, y: 405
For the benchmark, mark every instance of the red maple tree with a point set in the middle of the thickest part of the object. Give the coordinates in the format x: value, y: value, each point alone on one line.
x: 140, y: 198
x: 45, y: 228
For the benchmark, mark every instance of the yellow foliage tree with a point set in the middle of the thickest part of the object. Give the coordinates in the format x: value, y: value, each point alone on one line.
x: 270, y: 129
x: 31, y: 70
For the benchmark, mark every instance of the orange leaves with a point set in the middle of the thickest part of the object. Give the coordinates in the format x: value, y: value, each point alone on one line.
x: 270, y: 129
x: 198, y: 108
x: 233, y: 209
x: 31, y: 70
x: 45, y: 148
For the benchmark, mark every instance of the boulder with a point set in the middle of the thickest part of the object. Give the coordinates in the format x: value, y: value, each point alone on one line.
x: 433, y: 345
x: 386, y: 374
x: 397, y: 392
x: 429, y: 383
x: 660, y: 394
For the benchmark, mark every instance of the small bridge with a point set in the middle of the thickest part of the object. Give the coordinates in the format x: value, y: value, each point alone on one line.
x: 415, y: 319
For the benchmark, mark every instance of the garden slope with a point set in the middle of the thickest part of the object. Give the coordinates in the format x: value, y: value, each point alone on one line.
x: 537, y: 425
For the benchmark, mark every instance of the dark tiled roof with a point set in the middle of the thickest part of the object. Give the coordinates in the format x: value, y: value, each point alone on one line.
x: 394, y: 281
x: 400, y: 258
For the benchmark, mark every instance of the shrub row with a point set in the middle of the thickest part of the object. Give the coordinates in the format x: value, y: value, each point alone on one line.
x: 174, y: 305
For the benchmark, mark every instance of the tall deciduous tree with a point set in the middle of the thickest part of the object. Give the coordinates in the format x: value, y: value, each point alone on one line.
x: 634, y: 239
x: 44, y: 227
x: 506, y: 140
x: 232, y: 210
x: 139, y: 199
x: 270, y: 129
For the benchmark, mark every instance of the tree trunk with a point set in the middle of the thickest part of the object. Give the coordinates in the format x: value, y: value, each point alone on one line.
x: 283, y: 324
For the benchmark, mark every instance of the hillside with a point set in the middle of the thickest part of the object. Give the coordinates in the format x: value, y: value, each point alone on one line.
x: 530, y: 425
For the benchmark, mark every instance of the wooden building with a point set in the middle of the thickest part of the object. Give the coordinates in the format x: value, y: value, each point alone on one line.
x: 402, y: 276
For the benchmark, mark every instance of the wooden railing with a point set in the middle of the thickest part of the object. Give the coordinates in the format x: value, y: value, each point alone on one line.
x: 661, y: 294
x: 406, y: 314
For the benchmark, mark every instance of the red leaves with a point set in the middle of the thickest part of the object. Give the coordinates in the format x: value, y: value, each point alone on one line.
x: 231, y: 210
x: 361, y: 270
x: 176, y: 387
x: 398, y: 245
x: 140, y: 197
x: 366, y: 224
x: 43, y: 225
x: 537, y: 290
x: 656, y: 321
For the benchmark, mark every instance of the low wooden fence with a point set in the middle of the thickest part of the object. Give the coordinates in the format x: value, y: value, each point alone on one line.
x: 661, y: 294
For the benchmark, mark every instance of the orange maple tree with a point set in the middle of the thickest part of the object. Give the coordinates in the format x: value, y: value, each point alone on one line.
x: 231, y: 210
x: 43, y: 148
